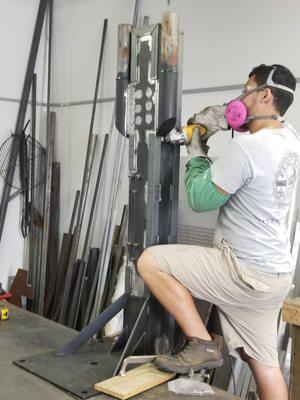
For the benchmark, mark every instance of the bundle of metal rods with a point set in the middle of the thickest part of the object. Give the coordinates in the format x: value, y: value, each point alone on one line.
x: 85, y: 285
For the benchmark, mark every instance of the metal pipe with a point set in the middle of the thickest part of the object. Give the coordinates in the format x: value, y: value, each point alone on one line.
x: 22, y: 112
x: 168, y: 73
x: 169, y: 42
x: 95, y: 326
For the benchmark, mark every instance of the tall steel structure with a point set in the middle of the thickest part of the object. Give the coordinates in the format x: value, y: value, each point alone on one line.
x: 148, y: 106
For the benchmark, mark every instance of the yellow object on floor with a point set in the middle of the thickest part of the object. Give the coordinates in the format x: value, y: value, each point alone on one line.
x: 4, y: 313
x: 134, y: 382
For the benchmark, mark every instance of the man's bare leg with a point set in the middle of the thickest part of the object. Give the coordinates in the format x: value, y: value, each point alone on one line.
x: 269, y: 381
x: 175, y: 297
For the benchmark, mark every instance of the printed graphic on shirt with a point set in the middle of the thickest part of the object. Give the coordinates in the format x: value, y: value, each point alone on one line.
x: 285, y: 179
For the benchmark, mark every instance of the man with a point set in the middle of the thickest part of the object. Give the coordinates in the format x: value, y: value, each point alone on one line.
x: 247, y: 273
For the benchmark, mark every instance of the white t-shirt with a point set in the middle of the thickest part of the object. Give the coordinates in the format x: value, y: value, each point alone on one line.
x: 260, y: 171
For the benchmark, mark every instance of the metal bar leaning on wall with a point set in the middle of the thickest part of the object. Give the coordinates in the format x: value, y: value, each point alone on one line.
x: 32, y: 235
x: 22, y: 111
x: 46, y: 219
x: 51, y: 121
x: 86, y: 178
x: 53, y: 244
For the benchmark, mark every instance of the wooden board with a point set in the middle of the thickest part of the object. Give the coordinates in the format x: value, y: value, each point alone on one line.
x: 295, y: 365
x: 20, y: 288
x: 291, y: 311
x: 136, y: 381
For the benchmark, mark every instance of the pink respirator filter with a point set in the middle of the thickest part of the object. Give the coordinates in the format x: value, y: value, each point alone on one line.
x: 236, y: 114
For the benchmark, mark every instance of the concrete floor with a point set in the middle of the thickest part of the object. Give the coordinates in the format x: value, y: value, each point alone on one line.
x: 25, y: 335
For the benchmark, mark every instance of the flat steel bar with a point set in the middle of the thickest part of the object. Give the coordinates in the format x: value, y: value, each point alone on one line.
x: 32, y: 233
x: 52, y: 264
x: 22, y: 111
x: 51, y: 121
x: 44, y: 255
x: 95, y: 326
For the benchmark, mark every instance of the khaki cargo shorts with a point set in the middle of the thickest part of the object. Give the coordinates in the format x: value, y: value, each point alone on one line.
x: 248, y: 300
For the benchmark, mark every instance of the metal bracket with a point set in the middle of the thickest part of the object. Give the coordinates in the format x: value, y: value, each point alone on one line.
x: 135, y: 360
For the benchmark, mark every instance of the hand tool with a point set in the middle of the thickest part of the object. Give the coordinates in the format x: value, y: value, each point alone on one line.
x: 184, y: 134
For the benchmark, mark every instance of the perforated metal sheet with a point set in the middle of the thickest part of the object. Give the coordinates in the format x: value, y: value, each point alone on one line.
x: 195, y: 235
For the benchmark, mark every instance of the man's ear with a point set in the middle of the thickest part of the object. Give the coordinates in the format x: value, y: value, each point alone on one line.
x: 268, y: 96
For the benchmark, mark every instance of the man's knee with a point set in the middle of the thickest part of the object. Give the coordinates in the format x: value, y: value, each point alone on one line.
x: 146, y: 262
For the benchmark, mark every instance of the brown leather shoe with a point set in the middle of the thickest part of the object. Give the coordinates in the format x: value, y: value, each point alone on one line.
x: 195, y: 355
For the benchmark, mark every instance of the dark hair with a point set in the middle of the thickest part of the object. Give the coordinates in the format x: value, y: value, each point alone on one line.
x: 282, y: 76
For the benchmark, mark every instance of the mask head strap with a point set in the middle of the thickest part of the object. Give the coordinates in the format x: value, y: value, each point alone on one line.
x: 271, y: 83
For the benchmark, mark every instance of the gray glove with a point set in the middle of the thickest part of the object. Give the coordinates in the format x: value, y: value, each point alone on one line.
x: 212, y: 118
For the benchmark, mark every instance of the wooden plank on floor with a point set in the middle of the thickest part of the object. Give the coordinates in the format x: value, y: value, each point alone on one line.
x: 134, y: 382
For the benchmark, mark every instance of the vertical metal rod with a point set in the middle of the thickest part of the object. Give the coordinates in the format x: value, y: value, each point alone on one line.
x: 49, y: 61
x: 49, y: 160
x: 136, y: 13
x: 86, y: 247
x: 86, y: 174
x: 32, y: 233
x: 22, y: 112
x: 51, y: 121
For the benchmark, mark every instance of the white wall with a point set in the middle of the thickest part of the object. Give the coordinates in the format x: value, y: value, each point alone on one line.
x: 17, y: 19
x: 223, y: 40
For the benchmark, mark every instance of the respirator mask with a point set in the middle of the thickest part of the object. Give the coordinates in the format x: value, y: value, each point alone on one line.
x: 236, y: 112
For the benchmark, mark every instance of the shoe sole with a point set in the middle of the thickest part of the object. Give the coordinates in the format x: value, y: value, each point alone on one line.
x: 196, y: 368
